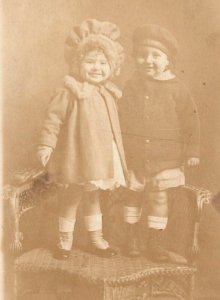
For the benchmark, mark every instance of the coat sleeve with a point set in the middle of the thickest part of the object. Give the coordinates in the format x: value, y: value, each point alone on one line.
x: 55, y: 118
x: 189, y: 122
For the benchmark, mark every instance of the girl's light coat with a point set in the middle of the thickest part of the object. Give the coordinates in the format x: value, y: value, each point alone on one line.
x: 81, y: 122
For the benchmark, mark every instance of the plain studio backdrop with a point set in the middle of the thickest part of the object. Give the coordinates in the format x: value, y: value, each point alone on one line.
x: 34, y: 33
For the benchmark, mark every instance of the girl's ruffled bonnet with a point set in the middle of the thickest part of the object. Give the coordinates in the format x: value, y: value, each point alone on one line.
x: 92, y: 34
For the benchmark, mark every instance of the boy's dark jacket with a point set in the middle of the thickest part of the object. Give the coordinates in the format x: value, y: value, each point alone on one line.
x: 160, y: 124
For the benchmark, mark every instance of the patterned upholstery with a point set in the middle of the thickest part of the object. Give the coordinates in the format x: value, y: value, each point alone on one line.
x: 116, y: 271
x: 120, y: 278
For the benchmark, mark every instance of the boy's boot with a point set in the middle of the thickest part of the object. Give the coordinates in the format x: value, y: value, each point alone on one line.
x: 132, y: 240
x: 97, y: 244
x: 132, y: 217
x: 155, y: 250
x: 66, y: 228
x: 156, y: 227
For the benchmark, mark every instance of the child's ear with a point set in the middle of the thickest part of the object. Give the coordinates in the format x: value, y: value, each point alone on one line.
x: 117, y: 71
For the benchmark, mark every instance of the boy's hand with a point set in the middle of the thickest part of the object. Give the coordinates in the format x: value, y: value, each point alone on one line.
x: 44, y: 153
x: 193, y: 161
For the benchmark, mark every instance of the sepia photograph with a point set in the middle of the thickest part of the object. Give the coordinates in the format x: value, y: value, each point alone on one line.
x: 111, y: 150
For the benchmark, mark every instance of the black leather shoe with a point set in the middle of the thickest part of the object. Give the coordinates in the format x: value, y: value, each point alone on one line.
x: 158, y: 254
x: 155, y: 251
x: 62, y: 254
x: 132, y: 246
x: 107, y: 253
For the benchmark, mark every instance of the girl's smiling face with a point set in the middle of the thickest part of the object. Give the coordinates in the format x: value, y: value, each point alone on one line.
x: 151, y: 62
x: 95, y: 67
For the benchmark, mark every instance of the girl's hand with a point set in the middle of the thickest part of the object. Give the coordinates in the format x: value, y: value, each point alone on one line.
x: 193, y: 161
x: 44, y: 153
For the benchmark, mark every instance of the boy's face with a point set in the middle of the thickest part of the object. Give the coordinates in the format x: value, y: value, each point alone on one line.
x: 94, y: 67
x: 150, y: 61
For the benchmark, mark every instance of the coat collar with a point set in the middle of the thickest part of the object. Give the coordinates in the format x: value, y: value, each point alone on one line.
x: 83, y: 90
x: 137, y: 80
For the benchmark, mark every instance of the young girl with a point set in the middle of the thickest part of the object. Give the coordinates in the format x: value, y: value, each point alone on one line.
x: 160, y: 130
x: 81, y: 133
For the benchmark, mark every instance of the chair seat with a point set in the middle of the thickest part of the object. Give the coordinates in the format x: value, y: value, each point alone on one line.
x: 114, y: 271
x: 85, y: 276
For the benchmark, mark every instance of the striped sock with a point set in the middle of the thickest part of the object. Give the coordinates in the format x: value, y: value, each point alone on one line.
x: 132, y: 215
x: 157, y: 222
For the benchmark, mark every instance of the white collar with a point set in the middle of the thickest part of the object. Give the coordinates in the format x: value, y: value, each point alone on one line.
x: 167, y: 75
x: 84, y: 89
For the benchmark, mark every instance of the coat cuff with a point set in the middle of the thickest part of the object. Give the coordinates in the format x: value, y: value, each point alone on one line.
x: 47, y: 141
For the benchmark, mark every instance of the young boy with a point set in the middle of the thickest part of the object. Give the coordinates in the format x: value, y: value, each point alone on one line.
x: 160, y: 129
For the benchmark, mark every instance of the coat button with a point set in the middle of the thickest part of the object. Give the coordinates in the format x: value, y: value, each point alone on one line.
x: 147, y: 97
x: 147, y: 141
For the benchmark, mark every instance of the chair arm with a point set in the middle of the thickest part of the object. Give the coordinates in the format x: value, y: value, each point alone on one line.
x: 24, y: 193
x: 202, y: 196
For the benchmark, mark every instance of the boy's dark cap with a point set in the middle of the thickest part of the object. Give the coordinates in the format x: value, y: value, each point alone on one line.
x: 155, y: 36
